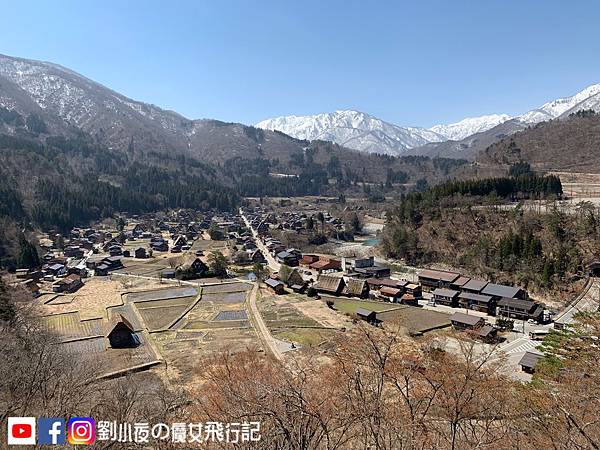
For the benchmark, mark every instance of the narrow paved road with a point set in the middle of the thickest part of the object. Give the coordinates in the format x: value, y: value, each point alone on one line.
x: 273, y: 264
x: 588, y: 301
x: 264, y: 335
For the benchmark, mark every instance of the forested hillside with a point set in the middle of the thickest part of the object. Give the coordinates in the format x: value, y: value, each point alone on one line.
x: 570, y: 144
x: 482, y: 228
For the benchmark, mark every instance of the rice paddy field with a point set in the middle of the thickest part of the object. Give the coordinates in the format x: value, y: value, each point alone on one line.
x: 187, y: 329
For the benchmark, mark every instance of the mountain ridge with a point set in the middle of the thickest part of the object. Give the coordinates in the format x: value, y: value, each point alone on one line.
x: 459, y: 139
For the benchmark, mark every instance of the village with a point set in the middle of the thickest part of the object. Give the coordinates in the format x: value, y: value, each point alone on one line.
x: 161, y: 291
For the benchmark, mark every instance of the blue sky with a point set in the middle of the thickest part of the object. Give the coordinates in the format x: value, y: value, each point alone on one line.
x: 411, y: 63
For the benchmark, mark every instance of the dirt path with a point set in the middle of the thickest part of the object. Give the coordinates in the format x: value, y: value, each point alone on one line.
x: 264, y: 335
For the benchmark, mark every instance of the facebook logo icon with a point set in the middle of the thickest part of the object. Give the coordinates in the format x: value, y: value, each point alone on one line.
x: 51, y: 431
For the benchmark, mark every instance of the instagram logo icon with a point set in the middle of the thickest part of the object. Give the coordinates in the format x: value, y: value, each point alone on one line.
x: 81, y: 431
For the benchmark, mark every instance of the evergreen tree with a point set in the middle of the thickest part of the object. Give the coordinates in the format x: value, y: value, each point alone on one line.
x: 28, y: 256
x: 217, y: 263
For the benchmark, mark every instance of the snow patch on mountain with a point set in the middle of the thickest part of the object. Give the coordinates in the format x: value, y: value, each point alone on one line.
x: 469, y: 126
x: 353, y: 129
x: 560, y: 106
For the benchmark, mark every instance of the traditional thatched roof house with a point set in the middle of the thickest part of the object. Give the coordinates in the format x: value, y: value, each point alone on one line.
x: 356, y: 288
x: 120, y: 333
x: 329, y: 284
x: 295, y: 278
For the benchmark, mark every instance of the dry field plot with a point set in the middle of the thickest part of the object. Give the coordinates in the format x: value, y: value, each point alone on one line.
x: 165, y: 303
x: 320, y: 312
x: 218, y: 311
x: 286, y: 322
x: 226, y: 298
x: 187, y: 350
x: 206, y: 325
x: 232, y: 315
x: 86, y: 346
x: 91, y: 300
x: 162, y: 294
x: 280, y: 313
x: 226, y: 287
x: 157, y: 318
x: 306, y: 337
x: 208, y: 245
x: 69, y: 326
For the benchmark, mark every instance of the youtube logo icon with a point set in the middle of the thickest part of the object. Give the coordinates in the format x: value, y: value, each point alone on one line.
x: 21, y: 430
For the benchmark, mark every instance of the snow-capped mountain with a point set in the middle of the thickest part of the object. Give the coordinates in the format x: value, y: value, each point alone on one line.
x: 363, y: 132
x: 67, y: 103
x: 589, y: 98
x: 353, y: 129
x: 469, y: 126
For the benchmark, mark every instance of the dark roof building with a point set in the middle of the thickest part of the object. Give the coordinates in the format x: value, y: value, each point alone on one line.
x: 474, y: 286
x: 275, y: 285
x: 459, y: 282
x: 376, y: 283
x: 448, y: 297
x: 478, y: 302
x: 461, y: 321
x: 487, y: 333
x: 392, y: 294
x: 366, y: 315
x: 501, y: 290
x: 520, y: 309
x: 431, y: 279
x: 529, y: 361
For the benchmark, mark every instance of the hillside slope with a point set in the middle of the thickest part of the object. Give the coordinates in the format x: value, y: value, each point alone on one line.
x: 571, y: 144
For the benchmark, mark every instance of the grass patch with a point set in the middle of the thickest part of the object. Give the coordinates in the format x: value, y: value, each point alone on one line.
x: 307, y: 337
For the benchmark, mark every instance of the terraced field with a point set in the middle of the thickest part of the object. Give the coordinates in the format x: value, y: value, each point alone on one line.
x: 232, y: 315
x: 166, y: 303
x: 225, y: 297
x: 69, y: 326
x: 157, y: 318
x: 162, y: 294
x: 226, y: 287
